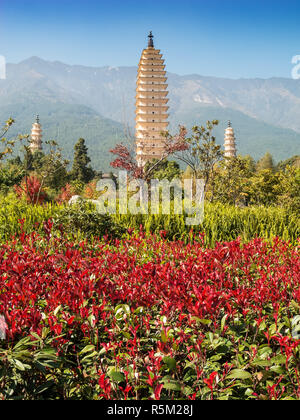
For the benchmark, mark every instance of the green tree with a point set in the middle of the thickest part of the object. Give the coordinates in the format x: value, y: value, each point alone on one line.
x: 250, y: 162
x: 11, y: 170
x: 262, y: 189
x: 294, y: 161
x: 16, y: 161
x: 10, y: 175
x: 49, y: 168
x: 288, y: 188
x: 266, y: 162
x: 232, y: 180
x: 81, y: 169
x: 164, y: 169
x: 202, y: 153
x: 55, y: 172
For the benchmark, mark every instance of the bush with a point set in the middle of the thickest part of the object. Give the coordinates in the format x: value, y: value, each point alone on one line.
x: 32, y: 189
x: 146, y: 319
x: 221, y: 222
x: 66, y: 193
x: 84, y: 220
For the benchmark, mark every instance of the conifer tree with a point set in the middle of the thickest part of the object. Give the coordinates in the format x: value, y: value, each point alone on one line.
x: 81, y: 170
x: 266, y: 162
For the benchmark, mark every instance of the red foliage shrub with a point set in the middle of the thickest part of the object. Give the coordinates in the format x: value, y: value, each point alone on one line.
x: 90, y: 191
x: 31, y: 188
x: 66, y: 193
x: 173, y: 320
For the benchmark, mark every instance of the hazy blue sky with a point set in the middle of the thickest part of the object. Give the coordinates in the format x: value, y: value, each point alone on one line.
x: 227, y: 38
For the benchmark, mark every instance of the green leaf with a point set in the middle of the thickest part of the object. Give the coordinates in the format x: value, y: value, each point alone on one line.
x: 188, y: 390
x: 44, y: 387
x: 264, y: 351
x: 172, y: 384
x: 89, y: 356
x: 223, y: 322
x: 20, y: 365
x: 116, y: 376
x: 279, y: 360
x: 139, y: 310
x: 57, y: 310
x: 278, y: 369
x: 45, y: 332
x: 164, y: 338
x: 87, y: 349
x: 216, y: 357
x: 122, y: 308
x: 23, y: 342
x: 249, y: 392
x: 204, y: 321
x: 239, y: 374
x: 170, y: 362
x: 259, y: 362
x: 295, y: 304
x: 35, y: 335
x: 126, y: 334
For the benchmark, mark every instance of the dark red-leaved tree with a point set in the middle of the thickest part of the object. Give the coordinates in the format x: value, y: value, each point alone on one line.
x: 126, y: 159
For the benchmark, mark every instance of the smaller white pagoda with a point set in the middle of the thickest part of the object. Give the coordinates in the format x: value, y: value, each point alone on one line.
x: 229, y: 142
x: 36, y: 136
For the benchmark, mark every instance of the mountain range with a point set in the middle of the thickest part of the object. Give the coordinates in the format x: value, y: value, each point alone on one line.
x: 98, y: 104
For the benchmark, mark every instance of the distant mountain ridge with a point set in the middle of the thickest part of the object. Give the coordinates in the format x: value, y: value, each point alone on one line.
x: 264, y: 112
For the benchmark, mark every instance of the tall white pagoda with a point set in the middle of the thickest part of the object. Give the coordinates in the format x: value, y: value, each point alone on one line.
x: 151, y: 105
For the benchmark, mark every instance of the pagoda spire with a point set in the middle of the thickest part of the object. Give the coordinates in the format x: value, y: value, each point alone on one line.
x: 150, y: 42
